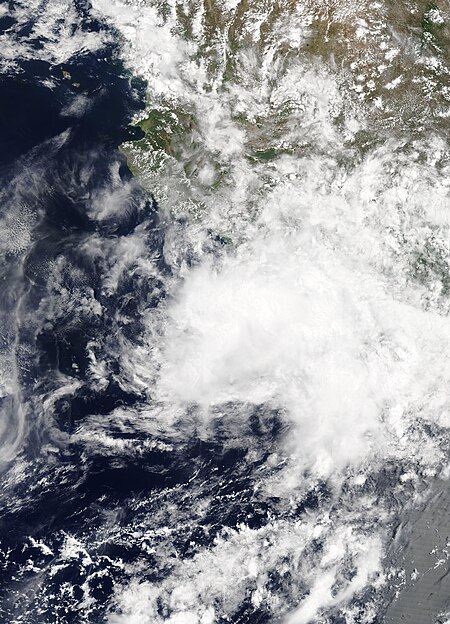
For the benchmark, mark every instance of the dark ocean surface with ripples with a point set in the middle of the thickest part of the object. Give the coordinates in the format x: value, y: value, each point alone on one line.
x: 223, y: 304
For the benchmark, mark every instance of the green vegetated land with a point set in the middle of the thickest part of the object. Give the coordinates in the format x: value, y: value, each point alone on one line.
x: 389, y: 60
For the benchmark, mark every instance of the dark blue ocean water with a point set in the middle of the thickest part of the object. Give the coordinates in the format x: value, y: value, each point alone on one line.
x: 54, y: 164
x: 82, y: 519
